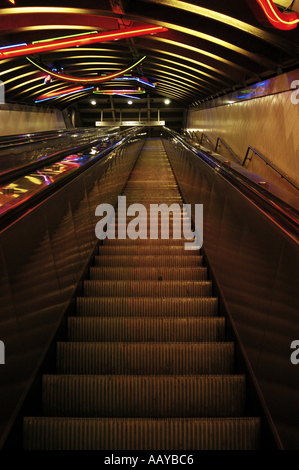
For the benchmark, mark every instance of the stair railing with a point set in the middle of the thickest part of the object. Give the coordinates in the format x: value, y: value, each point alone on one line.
x: 281, y: 174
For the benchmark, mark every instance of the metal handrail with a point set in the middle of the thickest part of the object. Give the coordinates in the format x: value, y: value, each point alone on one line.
x: 208, y: 140
x: 228, y: 148
x: 282, y: 175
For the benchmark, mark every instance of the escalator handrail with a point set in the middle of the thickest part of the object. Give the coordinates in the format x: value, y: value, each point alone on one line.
x: 40, y: 138
x: 33, y: 200
x: 6, y: 176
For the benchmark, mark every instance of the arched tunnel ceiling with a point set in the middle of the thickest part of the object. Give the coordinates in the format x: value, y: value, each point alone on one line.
x: 211, y: 47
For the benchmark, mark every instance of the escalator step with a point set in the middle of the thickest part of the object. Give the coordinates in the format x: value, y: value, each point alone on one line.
x: 147, y: 242
x: 147, y: 288
x: 130, y: 250
x: 148, y: 273
x: 145, y: 358
x: 146, y: 307
x: 141, y: 434
x: 143, y: 396
x: 153, y: 261
x: 146, y: 329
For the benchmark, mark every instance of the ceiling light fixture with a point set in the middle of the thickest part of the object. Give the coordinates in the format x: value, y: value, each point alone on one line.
x: 78, y: 40
x: 167, y: 101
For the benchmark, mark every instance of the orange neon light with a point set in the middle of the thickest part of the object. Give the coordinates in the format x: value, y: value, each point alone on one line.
x: 79, y: 40
x: 53, y: 94
x: 278, y: 19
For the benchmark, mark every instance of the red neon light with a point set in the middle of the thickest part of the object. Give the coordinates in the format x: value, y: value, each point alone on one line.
x: 53, y: 94
x: 79, y: 41
x: 276, y: 18
x: 68, y: 78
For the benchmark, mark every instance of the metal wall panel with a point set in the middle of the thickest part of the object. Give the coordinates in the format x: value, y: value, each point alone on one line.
x: 257, y: 268
x: 42, y: 256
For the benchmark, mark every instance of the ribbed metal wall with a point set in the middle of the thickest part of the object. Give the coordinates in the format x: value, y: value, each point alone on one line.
x: 256, y: 265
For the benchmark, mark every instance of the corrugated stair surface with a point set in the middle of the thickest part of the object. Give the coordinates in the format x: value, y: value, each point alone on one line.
x: 146, y: 365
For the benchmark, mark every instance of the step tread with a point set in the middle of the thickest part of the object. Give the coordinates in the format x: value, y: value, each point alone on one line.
x: 142, y: 434
x: 143, y: 396
x: 146, y: 329
x: 147, y: 358
x: 131, y: 288
x: 146, y: 306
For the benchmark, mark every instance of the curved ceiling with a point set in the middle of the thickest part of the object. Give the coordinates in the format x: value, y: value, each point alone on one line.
x: 207, y: 50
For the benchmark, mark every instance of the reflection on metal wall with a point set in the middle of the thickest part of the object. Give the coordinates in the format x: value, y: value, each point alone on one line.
x: 2, y: 92
x: 19, y: 119
x: 257, y: 269
x: 41, y: 259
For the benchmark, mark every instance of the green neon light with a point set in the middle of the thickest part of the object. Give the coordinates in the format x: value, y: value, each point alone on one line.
x: 63, y: 37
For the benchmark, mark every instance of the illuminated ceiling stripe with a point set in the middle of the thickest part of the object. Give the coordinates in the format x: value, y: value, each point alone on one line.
x: 220, y: 42
x: 159, y: 51
x: 174, y: 77
x: 233, y: 22
x: 68, y: 78
x: 78, y: 40
x: 206, y: 84
x: 181, y: 45
x: 45, y: 16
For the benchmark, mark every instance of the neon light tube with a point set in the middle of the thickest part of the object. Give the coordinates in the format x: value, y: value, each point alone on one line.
x: 62, y: 92
x: 61, y: 95
x: 14, y: 45
x: 95, y: 80
x: 128, y: 96
x: 79, y: 40
x: 113, y: 92
x: 278, y: 19
x: 64, y: 37
x: 137, y: 80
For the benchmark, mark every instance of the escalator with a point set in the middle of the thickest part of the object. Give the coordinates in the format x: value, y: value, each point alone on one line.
x: 147, y: 364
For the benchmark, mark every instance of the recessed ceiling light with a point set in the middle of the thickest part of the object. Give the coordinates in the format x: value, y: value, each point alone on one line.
x: 167, y: 101
x: 130, y: 102
x: 93, y: 102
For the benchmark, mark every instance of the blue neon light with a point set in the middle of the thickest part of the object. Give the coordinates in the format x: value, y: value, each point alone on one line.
x: 15, y: 45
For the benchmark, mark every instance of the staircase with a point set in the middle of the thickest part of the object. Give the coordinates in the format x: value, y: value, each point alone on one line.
x: 146, y: 365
